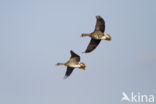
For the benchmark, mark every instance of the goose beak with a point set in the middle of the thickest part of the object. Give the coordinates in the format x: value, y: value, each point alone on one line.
x: 83, y: 68
x: 108, y: 37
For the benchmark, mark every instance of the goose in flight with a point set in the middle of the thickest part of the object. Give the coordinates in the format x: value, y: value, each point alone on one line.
x: 74, y: 62
x: 97, y: 35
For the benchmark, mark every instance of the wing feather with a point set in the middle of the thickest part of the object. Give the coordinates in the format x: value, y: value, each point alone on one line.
x: 68, y: 72
x: 74, y: 56
x: 92, y: 45
x: 100, y: 24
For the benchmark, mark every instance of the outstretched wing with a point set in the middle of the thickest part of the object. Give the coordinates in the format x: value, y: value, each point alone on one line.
x: 92, y: 45
x: 100, y: 24
x: 68, y: 72
x: 74, y: 56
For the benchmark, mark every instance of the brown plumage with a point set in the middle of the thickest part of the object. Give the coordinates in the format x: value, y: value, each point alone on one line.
x: 97, y: 35
x: 92, y: 45
x: 74, y: 62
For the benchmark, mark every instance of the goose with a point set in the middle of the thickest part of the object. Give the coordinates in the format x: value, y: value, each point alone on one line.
x: 97, y: 35
x: 74, y: 62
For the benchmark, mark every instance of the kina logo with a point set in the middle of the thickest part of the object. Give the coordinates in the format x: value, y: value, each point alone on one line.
x: 137, y: 98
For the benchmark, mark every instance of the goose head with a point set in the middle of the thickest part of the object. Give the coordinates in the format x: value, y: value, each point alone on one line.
x: 82, y: 66
x: 107, y: 37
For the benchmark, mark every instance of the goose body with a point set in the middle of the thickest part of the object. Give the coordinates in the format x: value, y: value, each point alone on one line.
x: 97, y: 35
x: 74, y: 62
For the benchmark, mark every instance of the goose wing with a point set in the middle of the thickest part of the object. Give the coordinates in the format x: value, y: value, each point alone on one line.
x: 68, y: 72
x: 100, y: 24
x: 74, y: 57
x: 92, y: 45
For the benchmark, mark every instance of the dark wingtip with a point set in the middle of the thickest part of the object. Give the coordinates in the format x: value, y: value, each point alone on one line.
x: 98, y: 17
x: 71, y: 50
x: 65, y: 77
x: 87, y: 51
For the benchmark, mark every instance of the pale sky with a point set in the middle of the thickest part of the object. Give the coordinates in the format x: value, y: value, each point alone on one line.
x: 36, y: 34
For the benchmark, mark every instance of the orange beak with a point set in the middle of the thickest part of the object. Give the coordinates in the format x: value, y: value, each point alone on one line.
x: 108, y: 37
x: 83, y: 68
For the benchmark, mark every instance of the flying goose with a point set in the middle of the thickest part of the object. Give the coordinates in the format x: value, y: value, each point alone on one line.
x: 74, y: 62
x: 97, y: 35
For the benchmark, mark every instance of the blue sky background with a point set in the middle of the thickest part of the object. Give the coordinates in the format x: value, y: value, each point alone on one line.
x: 36, y: 34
